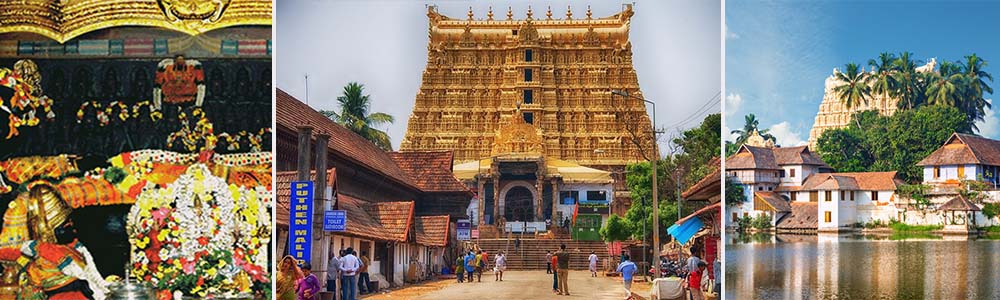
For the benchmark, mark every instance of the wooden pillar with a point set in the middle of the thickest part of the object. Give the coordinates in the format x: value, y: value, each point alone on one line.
x: 555, y: 203
x: 305, y: 138
x: 538, y: 198
x: 496, y: 198
x: 482, y: 201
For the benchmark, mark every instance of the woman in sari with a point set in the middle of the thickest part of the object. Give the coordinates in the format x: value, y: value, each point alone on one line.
x: 288, y: 275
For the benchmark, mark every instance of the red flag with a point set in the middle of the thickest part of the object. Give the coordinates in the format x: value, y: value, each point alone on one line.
x: 576, y: 209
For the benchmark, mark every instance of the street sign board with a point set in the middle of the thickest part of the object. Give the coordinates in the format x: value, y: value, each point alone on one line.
x: 464, y: 230
x: 335, y: 220
x: 475, y: 233
x: 300, y: 225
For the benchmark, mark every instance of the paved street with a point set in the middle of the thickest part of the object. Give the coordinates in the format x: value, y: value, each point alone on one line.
x: 518, y: 285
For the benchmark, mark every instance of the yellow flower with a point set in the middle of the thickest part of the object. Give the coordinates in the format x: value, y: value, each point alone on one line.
x: 142, y: 243
x: 211, y: 272
x: 162, y: 236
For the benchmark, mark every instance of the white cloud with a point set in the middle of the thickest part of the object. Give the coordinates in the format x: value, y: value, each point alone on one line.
x: 990, y: 126
x: 727, y: 134
x: 733, y: 104
x: 731, y: 35
x: 785, y: 135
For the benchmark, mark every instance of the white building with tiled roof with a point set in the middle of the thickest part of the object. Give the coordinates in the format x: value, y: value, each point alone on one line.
x: 775, y: 178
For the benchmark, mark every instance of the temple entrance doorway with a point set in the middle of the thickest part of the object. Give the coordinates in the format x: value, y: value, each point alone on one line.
x: 519, y: 204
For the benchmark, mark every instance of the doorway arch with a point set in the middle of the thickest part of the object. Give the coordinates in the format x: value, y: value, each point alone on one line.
x: 518, y: 201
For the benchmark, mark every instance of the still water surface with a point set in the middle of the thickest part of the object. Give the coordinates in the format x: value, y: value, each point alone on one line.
x: 831, y: 266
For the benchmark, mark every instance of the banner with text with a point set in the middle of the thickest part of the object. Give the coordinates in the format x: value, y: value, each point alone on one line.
x: 300, y: 225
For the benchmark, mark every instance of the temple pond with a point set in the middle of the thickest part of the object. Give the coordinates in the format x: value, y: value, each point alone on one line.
x: 851, y: 266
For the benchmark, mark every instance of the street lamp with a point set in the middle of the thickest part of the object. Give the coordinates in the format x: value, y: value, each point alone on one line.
x: 656, y: 198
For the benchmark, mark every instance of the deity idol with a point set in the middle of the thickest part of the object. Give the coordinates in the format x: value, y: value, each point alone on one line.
x: 55, y: 263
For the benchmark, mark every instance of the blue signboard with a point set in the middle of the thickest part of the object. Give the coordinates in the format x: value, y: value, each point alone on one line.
x: 300, y: 225
x: 464, y: 231
x: 335, y: 220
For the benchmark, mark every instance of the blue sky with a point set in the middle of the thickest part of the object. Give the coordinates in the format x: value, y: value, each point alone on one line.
x: 676, y: 47
x: 778, y: 53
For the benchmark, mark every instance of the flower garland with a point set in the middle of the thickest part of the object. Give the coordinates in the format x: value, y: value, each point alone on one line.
x: 193, y: 138
x: 201, y: 236
x: 123, y: 110
x: 24, y: 104
x: 99, y: 113
x: 154, y: 115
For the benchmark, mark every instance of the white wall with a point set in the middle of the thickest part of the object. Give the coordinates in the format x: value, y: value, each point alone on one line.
x: 950, y: 172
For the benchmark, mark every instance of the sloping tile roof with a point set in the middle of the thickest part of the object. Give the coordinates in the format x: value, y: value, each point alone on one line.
x: 959, y: 203
x: 291, y: 113
x: 430, y: 170
x: 965, y: 149
x: 708, y: 187
x: 431, y: 230
x: 395, y: 217
x: 804, y: 215
x: 800, y: 155
x: 749, y: 157
x: 283, y: 182
x: 714, y: 208
x: 864, y: 181
x: 774, y: 200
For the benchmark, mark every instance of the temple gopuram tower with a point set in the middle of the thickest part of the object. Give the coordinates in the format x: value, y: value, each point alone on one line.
x: 556, y: 73
x: 833, y: 114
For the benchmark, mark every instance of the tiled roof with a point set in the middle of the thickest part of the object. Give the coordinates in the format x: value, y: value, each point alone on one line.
x: 395, y: 217
x: 291, y: 113
x: 864, y: 181
x: 804, y: 215
x: 797, y: 156
x: 959, y: 203
x: 383, y: 221
x: 708, y: 187
x: 714, y: 208
x: 774, y: 200
x: 965, y: 149
x: 431, y: 230
x: 749, y: 157
x: 283, y: 182
x: 430, y: 170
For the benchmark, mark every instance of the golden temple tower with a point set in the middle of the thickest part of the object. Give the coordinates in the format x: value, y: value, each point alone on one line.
x: 558, y: 73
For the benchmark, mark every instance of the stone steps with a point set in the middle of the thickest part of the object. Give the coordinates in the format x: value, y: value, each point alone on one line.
x: 531, y: 254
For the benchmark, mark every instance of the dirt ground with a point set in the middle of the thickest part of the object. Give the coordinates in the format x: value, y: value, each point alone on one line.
x: 516, y: 285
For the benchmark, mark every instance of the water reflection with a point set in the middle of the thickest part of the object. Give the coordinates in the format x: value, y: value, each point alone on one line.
x: 831, y: 266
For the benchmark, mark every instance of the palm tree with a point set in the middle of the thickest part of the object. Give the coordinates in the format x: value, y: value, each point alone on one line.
x: 354, y: 114
x: 975, y: 105
x: 882, y: 81
x: 907, y: 84
x: 750, y: 125
x: 856, y: 88
x: 946, y: 88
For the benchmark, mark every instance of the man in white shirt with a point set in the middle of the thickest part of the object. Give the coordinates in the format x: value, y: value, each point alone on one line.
x: 333, y: 272
x: 349, y: 265
x: 593, y: 264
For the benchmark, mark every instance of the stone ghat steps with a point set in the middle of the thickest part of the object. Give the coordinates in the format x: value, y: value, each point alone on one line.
x: 531, y: 254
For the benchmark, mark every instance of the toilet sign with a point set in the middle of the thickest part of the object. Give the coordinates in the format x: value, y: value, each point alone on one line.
x: 335, y: 220
x: 464, y: 230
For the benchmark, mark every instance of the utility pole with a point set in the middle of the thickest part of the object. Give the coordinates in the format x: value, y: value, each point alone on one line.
x: 656, y: 201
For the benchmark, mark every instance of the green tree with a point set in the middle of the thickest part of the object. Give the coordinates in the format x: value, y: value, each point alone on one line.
x: 975, y: 105
x: 873, y: 142
x: 616, y: 229
x: 856, y: 88
x: 907, y: 88
x: 355, y: 114
x: 734, y: 193
x: 882, y: 81
x: 946, y: 87
x: 696, y: 148
x: 749, y: 126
